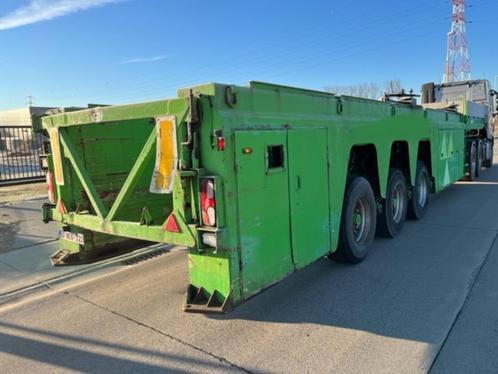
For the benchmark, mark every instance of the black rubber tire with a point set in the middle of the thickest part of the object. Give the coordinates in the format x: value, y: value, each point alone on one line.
x: 350, y: 249
x: 389, y: 222
x: 417, y: 205
x: 472, y: 162
x: 487, y: 163
x: 480, y: 158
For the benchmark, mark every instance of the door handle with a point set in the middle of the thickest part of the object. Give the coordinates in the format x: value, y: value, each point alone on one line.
x: 298, y: 180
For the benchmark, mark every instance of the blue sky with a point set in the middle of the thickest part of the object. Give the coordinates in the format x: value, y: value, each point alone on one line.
x: 74, y: 52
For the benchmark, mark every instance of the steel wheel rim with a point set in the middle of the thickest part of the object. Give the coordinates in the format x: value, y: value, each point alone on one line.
x: 398, y: 202
x: 361, y: 220
x: 422, y: 191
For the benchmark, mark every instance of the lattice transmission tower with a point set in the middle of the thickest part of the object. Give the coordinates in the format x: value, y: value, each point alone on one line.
x: 457, y: 57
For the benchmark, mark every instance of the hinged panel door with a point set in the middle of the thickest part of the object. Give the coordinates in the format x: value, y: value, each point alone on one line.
x: 263, y: 201
x: 309, y: 194
x: 451, y: 154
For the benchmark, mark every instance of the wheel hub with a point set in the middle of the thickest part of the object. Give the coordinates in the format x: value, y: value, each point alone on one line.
x: 360, y: 220
x: 422, y: 191
x: 398, y: 203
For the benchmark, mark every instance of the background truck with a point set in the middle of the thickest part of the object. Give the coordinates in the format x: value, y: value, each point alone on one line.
x: 257, y: 181
x: 474, y: 98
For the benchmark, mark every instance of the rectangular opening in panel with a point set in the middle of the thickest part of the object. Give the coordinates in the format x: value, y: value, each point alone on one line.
x: 275, y: 156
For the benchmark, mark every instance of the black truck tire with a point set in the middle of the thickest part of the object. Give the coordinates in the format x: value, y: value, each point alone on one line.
x: 358, y: 222
x: 472, y: 161
x: 394, y: 209
x: 488, y: 161
x: 480, y: 157
x: 417, y: 206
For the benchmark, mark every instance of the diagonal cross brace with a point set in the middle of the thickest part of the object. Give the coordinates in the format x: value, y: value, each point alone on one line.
x: 79, y: 168
x: 134, y: 176
x: 130, y: 182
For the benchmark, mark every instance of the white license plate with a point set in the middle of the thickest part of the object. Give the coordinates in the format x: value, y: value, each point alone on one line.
x: 72, y: 237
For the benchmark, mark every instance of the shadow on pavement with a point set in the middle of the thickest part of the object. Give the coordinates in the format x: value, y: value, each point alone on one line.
x: 403, y: 291
x: 79, y: 353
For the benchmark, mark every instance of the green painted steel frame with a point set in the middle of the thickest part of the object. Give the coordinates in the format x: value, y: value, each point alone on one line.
x: 351, y: 122
x: 82, y: 174
x: 133, y: 230
x: 104, y: 221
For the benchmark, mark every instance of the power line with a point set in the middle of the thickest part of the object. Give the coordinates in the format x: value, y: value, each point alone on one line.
x: 335, y: 43
x: 30, y: 99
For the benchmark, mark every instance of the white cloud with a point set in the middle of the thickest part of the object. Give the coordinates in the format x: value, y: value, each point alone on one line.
x: 45, y: 10
x: 139, y: 60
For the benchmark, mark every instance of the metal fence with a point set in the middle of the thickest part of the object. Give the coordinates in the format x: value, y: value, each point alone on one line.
x: 20, y: 150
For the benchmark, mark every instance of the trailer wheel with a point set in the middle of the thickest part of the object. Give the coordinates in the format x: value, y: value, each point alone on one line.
x: 395, y: 207
x: 472, y: 162
x: 480, y: 157
x: 359, y: 218
x: 488, y: 160
x: 419, y: 201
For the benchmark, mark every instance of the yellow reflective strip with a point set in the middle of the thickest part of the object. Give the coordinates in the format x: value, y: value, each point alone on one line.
x: 56, y: 155
x: 166, y: 156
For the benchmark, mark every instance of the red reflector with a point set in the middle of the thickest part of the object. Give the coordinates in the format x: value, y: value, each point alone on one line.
x: 221, y: 143
x: 50, y: 187
x: 61, y: 207
x: 170, y: 224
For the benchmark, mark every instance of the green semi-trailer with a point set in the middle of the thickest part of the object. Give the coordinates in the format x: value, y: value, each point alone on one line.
x: 257, y: 181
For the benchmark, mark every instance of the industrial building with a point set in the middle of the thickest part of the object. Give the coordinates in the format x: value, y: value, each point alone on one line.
x: 20, y: 116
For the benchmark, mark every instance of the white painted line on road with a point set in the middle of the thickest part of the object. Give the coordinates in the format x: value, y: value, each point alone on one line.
x: 478, y: 183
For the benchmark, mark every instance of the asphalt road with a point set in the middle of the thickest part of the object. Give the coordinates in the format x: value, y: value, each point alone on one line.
x: 425, y: 301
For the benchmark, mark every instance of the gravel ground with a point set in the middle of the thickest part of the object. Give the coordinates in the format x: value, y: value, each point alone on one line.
x: 16, y: 193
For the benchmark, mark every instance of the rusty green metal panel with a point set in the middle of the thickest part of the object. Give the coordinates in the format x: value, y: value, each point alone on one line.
x: 108, y: 157
x: 280, y: 175
x: 309, y: 190
x: 263, y: 204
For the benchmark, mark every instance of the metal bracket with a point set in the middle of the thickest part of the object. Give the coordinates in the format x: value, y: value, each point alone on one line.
x: 230, y: 97
x: 201, y: 301
x: 192, y: 116
x: 146, y: 217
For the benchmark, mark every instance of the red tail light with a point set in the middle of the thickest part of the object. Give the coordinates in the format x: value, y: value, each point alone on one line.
x: 50, y: 187
x: 221, y: 143
x: 208, y: 202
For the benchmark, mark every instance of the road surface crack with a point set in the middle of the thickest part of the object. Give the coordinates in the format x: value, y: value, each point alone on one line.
x: 142, y: 324
x: 470, y: 287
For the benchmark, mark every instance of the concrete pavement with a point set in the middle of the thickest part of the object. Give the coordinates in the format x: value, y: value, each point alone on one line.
x: 101, y: 342
x: 424, y: 301
x: 21, y: 226
x: 26, y: 245
x: 472, y: 345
